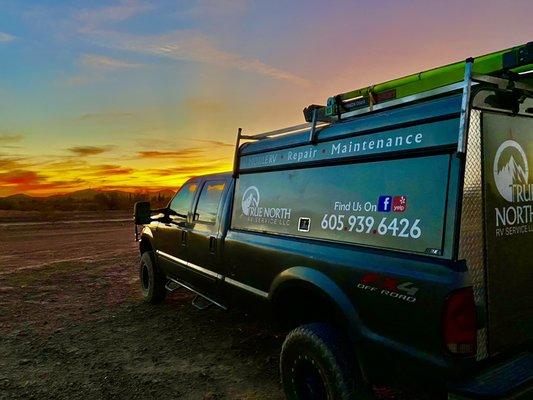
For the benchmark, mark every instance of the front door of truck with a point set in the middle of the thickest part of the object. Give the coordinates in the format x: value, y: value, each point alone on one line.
x: 172, y: 232
x: 205, y: 236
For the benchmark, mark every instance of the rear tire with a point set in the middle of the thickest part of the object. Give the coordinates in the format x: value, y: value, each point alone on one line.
x: 152, y: 282
x: 316, y: 364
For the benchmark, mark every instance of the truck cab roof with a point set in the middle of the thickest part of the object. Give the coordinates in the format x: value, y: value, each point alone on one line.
x: 218, y: 175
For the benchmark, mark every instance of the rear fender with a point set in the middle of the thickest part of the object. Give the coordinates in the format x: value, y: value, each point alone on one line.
x: 324, y: 285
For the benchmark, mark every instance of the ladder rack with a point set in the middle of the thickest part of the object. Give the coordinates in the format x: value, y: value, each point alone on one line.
x: 494, y: 68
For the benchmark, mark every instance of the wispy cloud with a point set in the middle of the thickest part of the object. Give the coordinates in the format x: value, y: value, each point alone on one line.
x: 99, y: 62
x: 94, y: 68
x: 81, y: 80
x: 84, y: 151
x: 184, y: 153
x: 217, y: 143
x: 8, y: 162
x: 105, y: 117
x: 6, y: 37
x: 217, y: 8
x: 98, y: 17
x: 110, y: 170
x: 6, y: 138
x: 186, y: 45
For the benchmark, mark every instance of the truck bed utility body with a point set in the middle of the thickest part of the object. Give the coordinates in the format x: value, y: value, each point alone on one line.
x: 401, y: 213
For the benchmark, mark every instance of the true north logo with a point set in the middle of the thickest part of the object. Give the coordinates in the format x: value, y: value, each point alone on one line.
x: 263, y: 215
x: 511, y: 177
x: 250, y: 200
x: 511, y: 172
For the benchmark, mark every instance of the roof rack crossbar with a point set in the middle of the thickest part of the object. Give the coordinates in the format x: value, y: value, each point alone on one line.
x: 284, y: 131
x: 503, y: 83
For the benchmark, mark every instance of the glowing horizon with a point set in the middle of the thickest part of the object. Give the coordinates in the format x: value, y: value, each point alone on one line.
x: 141, y: 95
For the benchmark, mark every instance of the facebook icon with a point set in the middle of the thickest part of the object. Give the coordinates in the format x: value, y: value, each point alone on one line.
x: 384, y: 203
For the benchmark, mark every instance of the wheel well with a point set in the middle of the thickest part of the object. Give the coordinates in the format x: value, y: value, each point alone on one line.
x: 302, y: 303
x: 145, y: 245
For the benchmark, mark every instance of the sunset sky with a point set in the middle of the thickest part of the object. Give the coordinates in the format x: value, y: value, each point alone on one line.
x: 143, y: 94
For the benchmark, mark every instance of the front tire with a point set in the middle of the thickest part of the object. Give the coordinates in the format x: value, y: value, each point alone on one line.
x: 316, y: 364
x: 152, y: 282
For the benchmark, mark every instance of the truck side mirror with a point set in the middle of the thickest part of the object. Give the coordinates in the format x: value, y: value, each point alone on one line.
x: 142, y: 213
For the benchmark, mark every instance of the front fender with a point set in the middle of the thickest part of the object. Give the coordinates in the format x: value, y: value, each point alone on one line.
x: 146, y: 241
x: 147, y: 231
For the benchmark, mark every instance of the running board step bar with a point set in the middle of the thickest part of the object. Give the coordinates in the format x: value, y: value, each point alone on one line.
x: 171, y: 286
x: 199, y: 304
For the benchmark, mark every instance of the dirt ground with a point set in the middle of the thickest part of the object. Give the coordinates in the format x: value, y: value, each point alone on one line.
x: 72, y: 324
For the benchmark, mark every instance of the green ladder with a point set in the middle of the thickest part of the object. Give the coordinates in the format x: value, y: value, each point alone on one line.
x: 505, y: 63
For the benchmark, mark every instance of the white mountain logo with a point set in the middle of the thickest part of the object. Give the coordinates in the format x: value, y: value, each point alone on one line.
x: 250, y: 199
x: 510, y: 168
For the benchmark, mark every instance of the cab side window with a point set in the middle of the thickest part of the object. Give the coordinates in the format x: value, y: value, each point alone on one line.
x: 209, y: 201
x: 181, y: 203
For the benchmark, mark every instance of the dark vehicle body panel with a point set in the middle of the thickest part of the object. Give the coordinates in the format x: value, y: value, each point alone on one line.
x: 395, y: 336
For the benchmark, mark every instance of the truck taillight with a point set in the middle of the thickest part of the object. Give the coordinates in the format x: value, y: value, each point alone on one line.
x: 459, y: 325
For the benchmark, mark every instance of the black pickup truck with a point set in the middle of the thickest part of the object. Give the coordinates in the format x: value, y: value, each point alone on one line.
x: 392, y: 241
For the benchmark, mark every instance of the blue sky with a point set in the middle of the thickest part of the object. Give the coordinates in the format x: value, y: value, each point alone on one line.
x: 121, y: 94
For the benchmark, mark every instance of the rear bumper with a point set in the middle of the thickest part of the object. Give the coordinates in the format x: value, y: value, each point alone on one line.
x: 510, y: 380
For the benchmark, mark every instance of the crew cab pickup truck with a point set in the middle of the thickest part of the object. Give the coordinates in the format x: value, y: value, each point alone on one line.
x: 391, y: 237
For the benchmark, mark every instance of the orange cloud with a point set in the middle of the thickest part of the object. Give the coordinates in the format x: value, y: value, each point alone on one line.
x: 185, y: 153
x: 108, y: 170
x: 11, y: 163
x: 20, y: 181
x: 19, y: 177
x: 88, y: 150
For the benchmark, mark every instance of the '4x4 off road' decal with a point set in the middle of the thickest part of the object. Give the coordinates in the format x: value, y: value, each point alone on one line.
x: 388, y: 286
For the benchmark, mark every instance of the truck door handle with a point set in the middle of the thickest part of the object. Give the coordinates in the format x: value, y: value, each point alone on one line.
x: 212, y: 244
x: 184, y: 238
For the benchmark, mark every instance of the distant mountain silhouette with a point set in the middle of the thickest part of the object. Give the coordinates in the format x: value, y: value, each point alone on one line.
x: 85, y: 200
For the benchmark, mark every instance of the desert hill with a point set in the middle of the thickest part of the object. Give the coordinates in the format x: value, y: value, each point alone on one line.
x: 85, y: 200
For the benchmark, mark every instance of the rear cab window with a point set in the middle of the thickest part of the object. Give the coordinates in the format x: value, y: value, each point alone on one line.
x: 206, y: 212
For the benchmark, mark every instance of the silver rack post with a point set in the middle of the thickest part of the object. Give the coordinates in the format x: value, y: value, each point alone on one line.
x: 236, y: 155
x: 465, y: 107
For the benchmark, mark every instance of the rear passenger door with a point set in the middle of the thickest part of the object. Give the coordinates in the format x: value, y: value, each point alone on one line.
x: 205, y: 236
